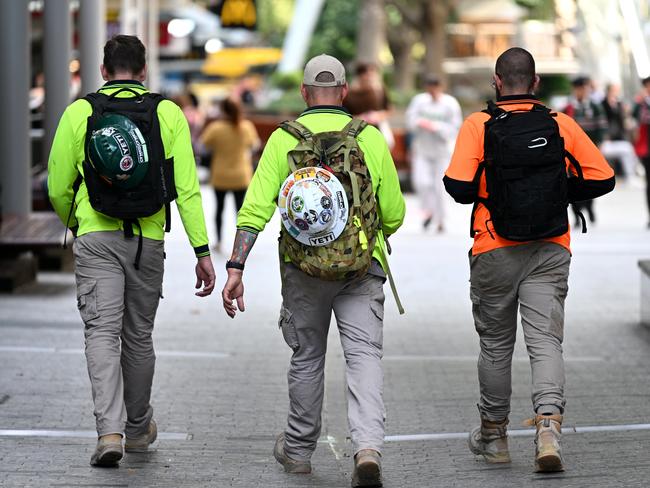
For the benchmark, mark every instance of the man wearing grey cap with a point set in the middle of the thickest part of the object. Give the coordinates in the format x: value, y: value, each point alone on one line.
x: 309, y: 300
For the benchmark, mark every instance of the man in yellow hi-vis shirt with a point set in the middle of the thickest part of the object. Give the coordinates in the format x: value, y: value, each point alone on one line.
x: 118, y: 158
x: 309, y: 300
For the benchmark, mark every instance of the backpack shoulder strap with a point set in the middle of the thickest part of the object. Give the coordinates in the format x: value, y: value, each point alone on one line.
x: 97, y: 102
x: 493, y: 110
x: 296, y: 129
x: 354, y: 127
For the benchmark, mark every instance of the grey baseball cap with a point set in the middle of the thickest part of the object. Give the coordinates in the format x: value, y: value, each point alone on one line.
x: 324, y: 64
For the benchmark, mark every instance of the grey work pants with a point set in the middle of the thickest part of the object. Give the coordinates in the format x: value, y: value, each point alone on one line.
x: 307, y: 305
x: 532, y: 277
x: 118, y: 305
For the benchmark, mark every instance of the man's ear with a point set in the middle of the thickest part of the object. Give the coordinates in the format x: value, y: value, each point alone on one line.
x: 303, y: 92
x: 142, y: 75
x: 104, y: 72
x: 344, y: 91
x: 498, y: 84
x: 535, y: 84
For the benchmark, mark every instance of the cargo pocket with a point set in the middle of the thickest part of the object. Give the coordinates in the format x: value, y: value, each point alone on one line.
x: 288, y: 327
x: 377, y: 309
x: 479, y: 325
x: 557, y: 312
x: 87, y: 300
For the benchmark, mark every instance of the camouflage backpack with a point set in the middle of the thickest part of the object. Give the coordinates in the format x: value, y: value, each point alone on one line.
x: 350, y: 254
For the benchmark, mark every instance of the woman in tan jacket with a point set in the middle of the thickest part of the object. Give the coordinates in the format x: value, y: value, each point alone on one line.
x: 231, y: 140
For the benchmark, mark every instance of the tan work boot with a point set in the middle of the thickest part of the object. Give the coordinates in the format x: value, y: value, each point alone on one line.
x: 142, y: 442
x: 108, y: 451
x: 548, y: 453
x: 293, y: 466
x: 367, y: 468
x: 490, y: 440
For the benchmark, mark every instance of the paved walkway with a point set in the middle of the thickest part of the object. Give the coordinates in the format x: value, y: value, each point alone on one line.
x: 220, y: 386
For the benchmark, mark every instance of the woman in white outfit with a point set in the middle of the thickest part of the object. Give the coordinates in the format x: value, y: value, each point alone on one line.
x: 433, y: 118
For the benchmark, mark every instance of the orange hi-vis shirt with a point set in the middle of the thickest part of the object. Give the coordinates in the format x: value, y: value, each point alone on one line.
x: 460, y: 175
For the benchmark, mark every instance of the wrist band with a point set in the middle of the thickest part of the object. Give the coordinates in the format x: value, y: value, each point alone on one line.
x: 233, y: 264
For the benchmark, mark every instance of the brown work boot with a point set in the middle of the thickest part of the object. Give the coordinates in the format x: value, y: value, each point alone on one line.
x: 142, y: 442
x: 490, y: 440
x: 548, y: 452
x: 292, y: 466
x: 108, y: 451
x: 367, y: 468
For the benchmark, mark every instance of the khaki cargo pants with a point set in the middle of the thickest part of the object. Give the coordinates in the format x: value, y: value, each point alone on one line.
x: 307, y: 306
x: 118, y: 305
x: 533, y: 278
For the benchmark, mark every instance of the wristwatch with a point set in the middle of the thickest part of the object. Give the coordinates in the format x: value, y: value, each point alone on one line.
x: 233, y: 264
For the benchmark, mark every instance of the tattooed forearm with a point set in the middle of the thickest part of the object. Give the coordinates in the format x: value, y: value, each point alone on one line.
x: 244, y: 241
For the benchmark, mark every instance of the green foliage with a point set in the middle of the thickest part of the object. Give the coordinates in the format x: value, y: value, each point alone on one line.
x: 539, y: 9
x: 290, y: 103
x: 286, y: 81
x: 274, y: 17
x: 553, y: 85
x: 336, y: 30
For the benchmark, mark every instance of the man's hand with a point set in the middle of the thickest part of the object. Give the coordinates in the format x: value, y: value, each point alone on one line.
x: 204, y: 276
x: 233, y: 290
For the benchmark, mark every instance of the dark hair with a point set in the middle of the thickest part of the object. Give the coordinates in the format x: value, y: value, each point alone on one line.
x: 516, y: 68
x: 124, y: 53
x: 231, y: 111
x: 645, y: 81
x: 432, y: 80
x: 580, y: 81
x: 194, y: 100
x: 363, y: 68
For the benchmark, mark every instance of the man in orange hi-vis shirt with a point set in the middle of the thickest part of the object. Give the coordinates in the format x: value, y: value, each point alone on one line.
x: 521, y: 165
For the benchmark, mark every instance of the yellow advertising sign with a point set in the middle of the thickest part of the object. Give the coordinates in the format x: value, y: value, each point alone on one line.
x: 233, y: 62
x: 238, y: 13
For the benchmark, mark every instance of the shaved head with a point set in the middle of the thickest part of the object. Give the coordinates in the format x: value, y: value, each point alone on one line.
x: 516, y: 68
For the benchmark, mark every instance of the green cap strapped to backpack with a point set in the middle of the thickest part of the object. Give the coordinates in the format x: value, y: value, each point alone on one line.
x: 118, y: 152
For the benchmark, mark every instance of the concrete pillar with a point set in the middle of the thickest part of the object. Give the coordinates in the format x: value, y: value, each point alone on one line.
x: 92, y: 36
x: 15, y: 169
x: 57, y: 47
x: 296, y: 42
x: 133, y: 19
x: 153, y: 66
x: 141, y: 19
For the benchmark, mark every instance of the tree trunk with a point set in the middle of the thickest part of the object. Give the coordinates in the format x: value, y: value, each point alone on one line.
x: 404, y: 67
x: 435, y: 37
x: 371, y: 35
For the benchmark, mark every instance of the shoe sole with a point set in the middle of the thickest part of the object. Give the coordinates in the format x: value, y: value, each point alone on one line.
x: 550, y: 463
x: 367, y: 474
x: 107, y: 459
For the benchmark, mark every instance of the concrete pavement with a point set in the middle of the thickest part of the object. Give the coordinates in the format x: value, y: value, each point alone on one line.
x: 220, y: 385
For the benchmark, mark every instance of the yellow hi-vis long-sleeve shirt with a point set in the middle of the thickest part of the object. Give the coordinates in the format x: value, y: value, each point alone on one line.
x: 65, y: 165
x: 262, y: 194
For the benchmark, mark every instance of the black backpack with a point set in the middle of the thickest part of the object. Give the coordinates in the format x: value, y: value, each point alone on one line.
x: 158, y: 188
x: 526, y: 174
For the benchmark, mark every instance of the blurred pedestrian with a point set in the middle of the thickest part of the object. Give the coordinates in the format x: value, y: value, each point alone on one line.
x: 189, y: 104
x: 111, y: 181
x: 511, y: 163
x: 433, y: 118
x: 642, y: 144
x: 231, y: 141
x: 590, y: 116
x: 332, y: 260
x: 367, y: 99
x: 616, y: 145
